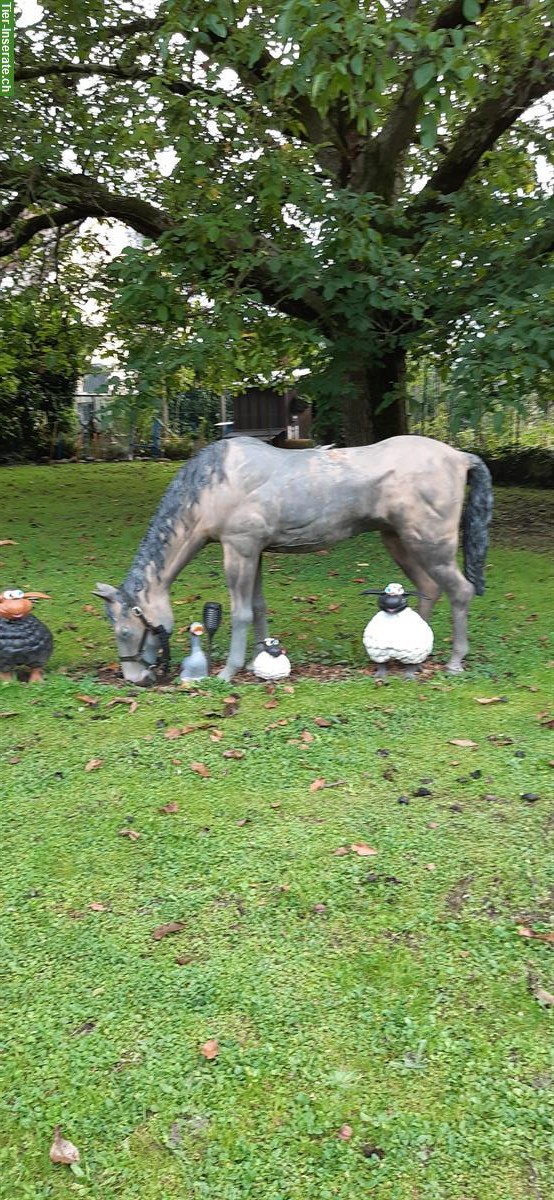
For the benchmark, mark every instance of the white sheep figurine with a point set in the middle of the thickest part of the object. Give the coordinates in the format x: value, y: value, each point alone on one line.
x: 396, y: 632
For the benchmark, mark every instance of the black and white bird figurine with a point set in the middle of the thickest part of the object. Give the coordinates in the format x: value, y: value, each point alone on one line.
x: 396, y: 632
x: 194, y: 665
x: 271, y: 663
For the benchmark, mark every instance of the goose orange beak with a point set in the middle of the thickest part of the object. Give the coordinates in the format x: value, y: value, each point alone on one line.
x: 36, y: 596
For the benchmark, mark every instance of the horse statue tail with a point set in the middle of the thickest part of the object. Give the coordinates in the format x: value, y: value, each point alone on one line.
x: 476, y: 521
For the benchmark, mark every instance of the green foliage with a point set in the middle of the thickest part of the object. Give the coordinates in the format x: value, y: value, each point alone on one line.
x: 42, y: 344
x: 312, y: 175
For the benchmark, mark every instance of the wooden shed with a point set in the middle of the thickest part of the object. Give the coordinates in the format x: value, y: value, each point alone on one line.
x: 277, y: 417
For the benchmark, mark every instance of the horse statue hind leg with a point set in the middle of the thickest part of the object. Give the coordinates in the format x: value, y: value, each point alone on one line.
x: 428, y: 588
x: 426, y: 548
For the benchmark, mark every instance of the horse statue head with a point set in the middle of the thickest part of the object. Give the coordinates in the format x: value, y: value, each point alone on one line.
x: 142, y: 639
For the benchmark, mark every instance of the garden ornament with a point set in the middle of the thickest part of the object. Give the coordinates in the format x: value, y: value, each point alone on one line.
x: 396, y: 632
x: 271, y: 662
x: 252, y: 497
x: 195, y: 665
x: 25, y: 643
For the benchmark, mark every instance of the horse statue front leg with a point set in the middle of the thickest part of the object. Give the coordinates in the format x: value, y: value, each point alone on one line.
x: 241, y: 572
x: 259, y: 609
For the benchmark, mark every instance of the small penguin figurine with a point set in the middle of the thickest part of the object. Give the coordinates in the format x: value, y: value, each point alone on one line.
x: 271, y: 662
x: 195, y: 664
x: 397, y: 632
x: 25, y: 643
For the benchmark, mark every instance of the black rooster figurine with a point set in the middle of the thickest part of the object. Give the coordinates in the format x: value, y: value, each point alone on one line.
x: 25, y: 643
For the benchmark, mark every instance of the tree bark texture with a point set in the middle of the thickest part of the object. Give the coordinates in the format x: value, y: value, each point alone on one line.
x: 369, y: 387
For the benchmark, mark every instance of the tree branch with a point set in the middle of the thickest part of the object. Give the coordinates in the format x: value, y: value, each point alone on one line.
x: 82, y: 197
x: 127, y: 74
x: 127, y: 29
x: 387, y: 149
x: 477, y: 135
x: 33, y: 225
x: 85, y: 197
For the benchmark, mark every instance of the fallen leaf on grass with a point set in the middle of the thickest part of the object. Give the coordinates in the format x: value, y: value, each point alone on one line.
x: 172, y: 807
x: 210, y: 1049
x: 183, y: 960
x: 491, y: 699
x: 340, y: 850
x: 363, y: 849
x: 96, y: 907
x: 545, y: 998
x: 500, y: 739
x: 200, y: 769
x: 345, y: 1133
x: 231, y: 705
x: 244, y: 821
x: 90, y: 700
x: 272, y: 704
x: 4, y: 716
x: 527, y: 932
x: 322, y: 722
x: 318, y: 784
x: 132, y: 704
x: 164, y: 930
x: 463, y: 743
x: 62, y: 1151
x: 233, y: 753
x: 94, y: 764
x: 8, y: 542
x: 130, y: 833
x: 307, y: 736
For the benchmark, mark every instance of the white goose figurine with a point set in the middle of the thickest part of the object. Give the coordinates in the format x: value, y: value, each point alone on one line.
x: 271, y: 662
x: 397, y: 632
x: 195, y: 664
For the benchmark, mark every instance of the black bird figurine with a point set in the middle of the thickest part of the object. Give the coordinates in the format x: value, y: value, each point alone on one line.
x: 211, y: 620
x: 25, y: 643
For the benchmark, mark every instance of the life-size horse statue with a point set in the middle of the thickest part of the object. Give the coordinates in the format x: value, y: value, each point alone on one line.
x: 253, y: 497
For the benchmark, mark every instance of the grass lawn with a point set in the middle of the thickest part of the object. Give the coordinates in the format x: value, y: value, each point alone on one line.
x: 389, y: 997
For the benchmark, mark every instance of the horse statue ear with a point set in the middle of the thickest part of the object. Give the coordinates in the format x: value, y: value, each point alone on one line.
x: 106, y: 592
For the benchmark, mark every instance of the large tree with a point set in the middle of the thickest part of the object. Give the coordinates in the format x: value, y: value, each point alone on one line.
x: 363, y: 170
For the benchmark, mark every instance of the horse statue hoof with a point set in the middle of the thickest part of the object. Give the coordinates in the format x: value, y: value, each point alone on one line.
x: 225, y: 674
x: 454, y: 668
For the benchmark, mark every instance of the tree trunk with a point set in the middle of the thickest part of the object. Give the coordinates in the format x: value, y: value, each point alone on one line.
x: 388, y: 379
x: 357, y: 421
x: 368, y: 387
